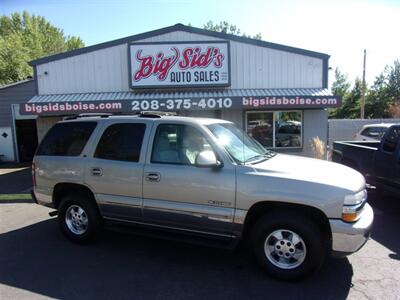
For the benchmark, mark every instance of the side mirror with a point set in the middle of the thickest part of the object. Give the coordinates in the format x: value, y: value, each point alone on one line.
x: 207, y: 159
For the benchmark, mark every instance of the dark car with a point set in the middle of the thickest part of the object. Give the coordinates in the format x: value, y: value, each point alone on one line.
x: 378, y: 161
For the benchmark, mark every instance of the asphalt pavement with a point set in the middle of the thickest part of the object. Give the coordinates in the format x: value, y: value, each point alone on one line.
x: 15, y: 179
x: 37, y: 262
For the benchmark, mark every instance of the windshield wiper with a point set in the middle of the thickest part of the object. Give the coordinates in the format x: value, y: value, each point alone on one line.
x: 262, y: 157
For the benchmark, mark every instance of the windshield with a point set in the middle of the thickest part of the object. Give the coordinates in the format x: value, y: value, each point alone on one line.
x: 238, y: 144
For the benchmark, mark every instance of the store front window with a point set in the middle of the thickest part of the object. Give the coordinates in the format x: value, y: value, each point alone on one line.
x: 278, y: 129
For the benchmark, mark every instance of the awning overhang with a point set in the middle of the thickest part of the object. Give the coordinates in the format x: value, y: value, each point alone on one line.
x: 124, y: 102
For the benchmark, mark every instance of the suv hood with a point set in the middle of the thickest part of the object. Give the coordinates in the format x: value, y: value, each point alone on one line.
x: 311, y: 170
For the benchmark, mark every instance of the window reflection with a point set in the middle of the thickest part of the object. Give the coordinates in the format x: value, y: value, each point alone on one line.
x: 281, y: 129
x: 260, y: 127
x: 288, y: 129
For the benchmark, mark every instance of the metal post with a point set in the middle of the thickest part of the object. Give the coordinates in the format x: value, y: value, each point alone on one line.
x: 363, y: 88
x: 14, y: 133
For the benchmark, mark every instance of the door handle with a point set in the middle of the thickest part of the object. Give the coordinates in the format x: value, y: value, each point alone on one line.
x: 153, y: 176
x: 96, y: 171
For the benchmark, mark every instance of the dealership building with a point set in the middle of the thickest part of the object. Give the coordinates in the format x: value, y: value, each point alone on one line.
x: 18, y: 134
x: 276, y: 93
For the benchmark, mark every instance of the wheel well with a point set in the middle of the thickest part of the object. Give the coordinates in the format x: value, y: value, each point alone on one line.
x: 63, y: 189
x: 262, y: 208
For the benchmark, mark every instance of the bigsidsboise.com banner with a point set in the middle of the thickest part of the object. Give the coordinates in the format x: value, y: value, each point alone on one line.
x: 129, y: 106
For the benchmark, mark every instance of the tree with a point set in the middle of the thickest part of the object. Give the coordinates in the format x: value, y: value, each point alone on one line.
x: 383, y: 99
x: 225, y: 27
x: 25, y: 37
x: 352, y: 105
x: 340, y: 87
x: 350, y: 108
x: 394, y: 82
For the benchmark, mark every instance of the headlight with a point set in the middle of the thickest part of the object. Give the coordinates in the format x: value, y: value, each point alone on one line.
x: 355, y: 199
x: 353, y: 205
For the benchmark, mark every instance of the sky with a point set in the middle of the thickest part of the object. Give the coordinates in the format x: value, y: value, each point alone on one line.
x: 342, y: 29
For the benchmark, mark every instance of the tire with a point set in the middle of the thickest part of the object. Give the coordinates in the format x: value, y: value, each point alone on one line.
x: 288, y: 246
x: 79, y: 218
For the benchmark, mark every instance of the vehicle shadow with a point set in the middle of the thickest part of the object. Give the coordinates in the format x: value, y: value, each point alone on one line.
x: 15, y: 182
x: 14, y: 201
x: 39, y: 259
x: 386, y: 221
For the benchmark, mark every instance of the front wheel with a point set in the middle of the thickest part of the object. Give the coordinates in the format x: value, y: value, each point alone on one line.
x: 79, y: 218
x: 288, y: 246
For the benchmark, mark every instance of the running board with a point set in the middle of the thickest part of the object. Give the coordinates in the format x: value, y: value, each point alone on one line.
x: 172, y: 235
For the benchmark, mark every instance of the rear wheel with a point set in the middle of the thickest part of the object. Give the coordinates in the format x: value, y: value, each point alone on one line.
x: 79, y: 218
x: 288, y: 246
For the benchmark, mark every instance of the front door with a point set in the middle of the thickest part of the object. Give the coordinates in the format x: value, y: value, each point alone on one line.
x: 177, y: 193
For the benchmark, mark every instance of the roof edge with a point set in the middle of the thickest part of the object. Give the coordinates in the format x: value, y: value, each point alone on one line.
x: 15, y: 83
x: 179, y: 27
x: 129, y: 95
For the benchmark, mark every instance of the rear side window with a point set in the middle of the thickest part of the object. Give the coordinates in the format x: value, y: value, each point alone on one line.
x: 391, y: 140
x: 373, y: 132
x: 66, y: 139
x: 121, y: 142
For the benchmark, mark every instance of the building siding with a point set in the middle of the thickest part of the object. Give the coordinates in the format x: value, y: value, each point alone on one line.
x: 252, y: 66
x: 315, y: 124
x: 6, y: 144
x: 44, y: 125
x: 16, y: 94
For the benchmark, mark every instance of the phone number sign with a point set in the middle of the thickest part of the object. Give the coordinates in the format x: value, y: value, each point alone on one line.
x: 178, y: 104
x: 179, y: 64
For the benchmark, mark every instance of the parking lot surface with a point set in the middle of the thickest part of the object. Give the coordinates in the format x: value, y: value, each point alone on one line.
x: 37, y: 262
x: 15, y: 179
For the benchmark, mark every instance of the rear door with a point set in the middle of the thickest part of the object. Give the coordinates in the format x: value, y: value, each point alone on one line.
x: 178, y: 194
x: 115, y: 170
x: 387, y: 160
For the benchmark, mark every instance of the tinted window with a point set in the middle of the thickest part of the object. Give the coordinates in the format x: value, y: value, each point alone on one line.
x: 66, y: 139
x: 178, y: 144
x: 121, y: 142
x: 391, y: 140
x: 373, y: 132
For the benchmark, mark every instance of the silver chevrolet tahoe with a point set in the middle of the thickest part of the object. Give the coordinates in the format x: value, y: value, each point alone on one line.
x: 203, y: 179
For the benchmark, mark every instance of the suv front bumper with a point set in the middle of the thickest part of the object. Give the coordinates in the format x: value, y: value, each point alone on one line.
x: 348, y: 238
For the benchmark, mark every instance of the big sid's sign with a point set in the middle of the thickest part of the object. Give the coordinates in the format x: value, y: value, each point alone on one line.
x: 179, y: 64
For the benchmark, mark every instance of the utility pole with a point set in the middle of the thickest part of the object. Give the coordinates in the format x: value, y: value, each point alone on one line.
x: 363, y: 88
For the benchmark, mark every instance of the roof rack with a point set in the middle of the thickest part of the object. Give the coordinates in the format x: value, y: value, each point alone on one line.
x: 141, y: 114
x: 155, y: 114
x: 101, y: 115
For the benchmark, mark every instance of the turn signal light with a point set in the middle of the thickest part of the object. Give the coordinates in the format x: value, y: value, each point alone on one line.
x: 349, y: 217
